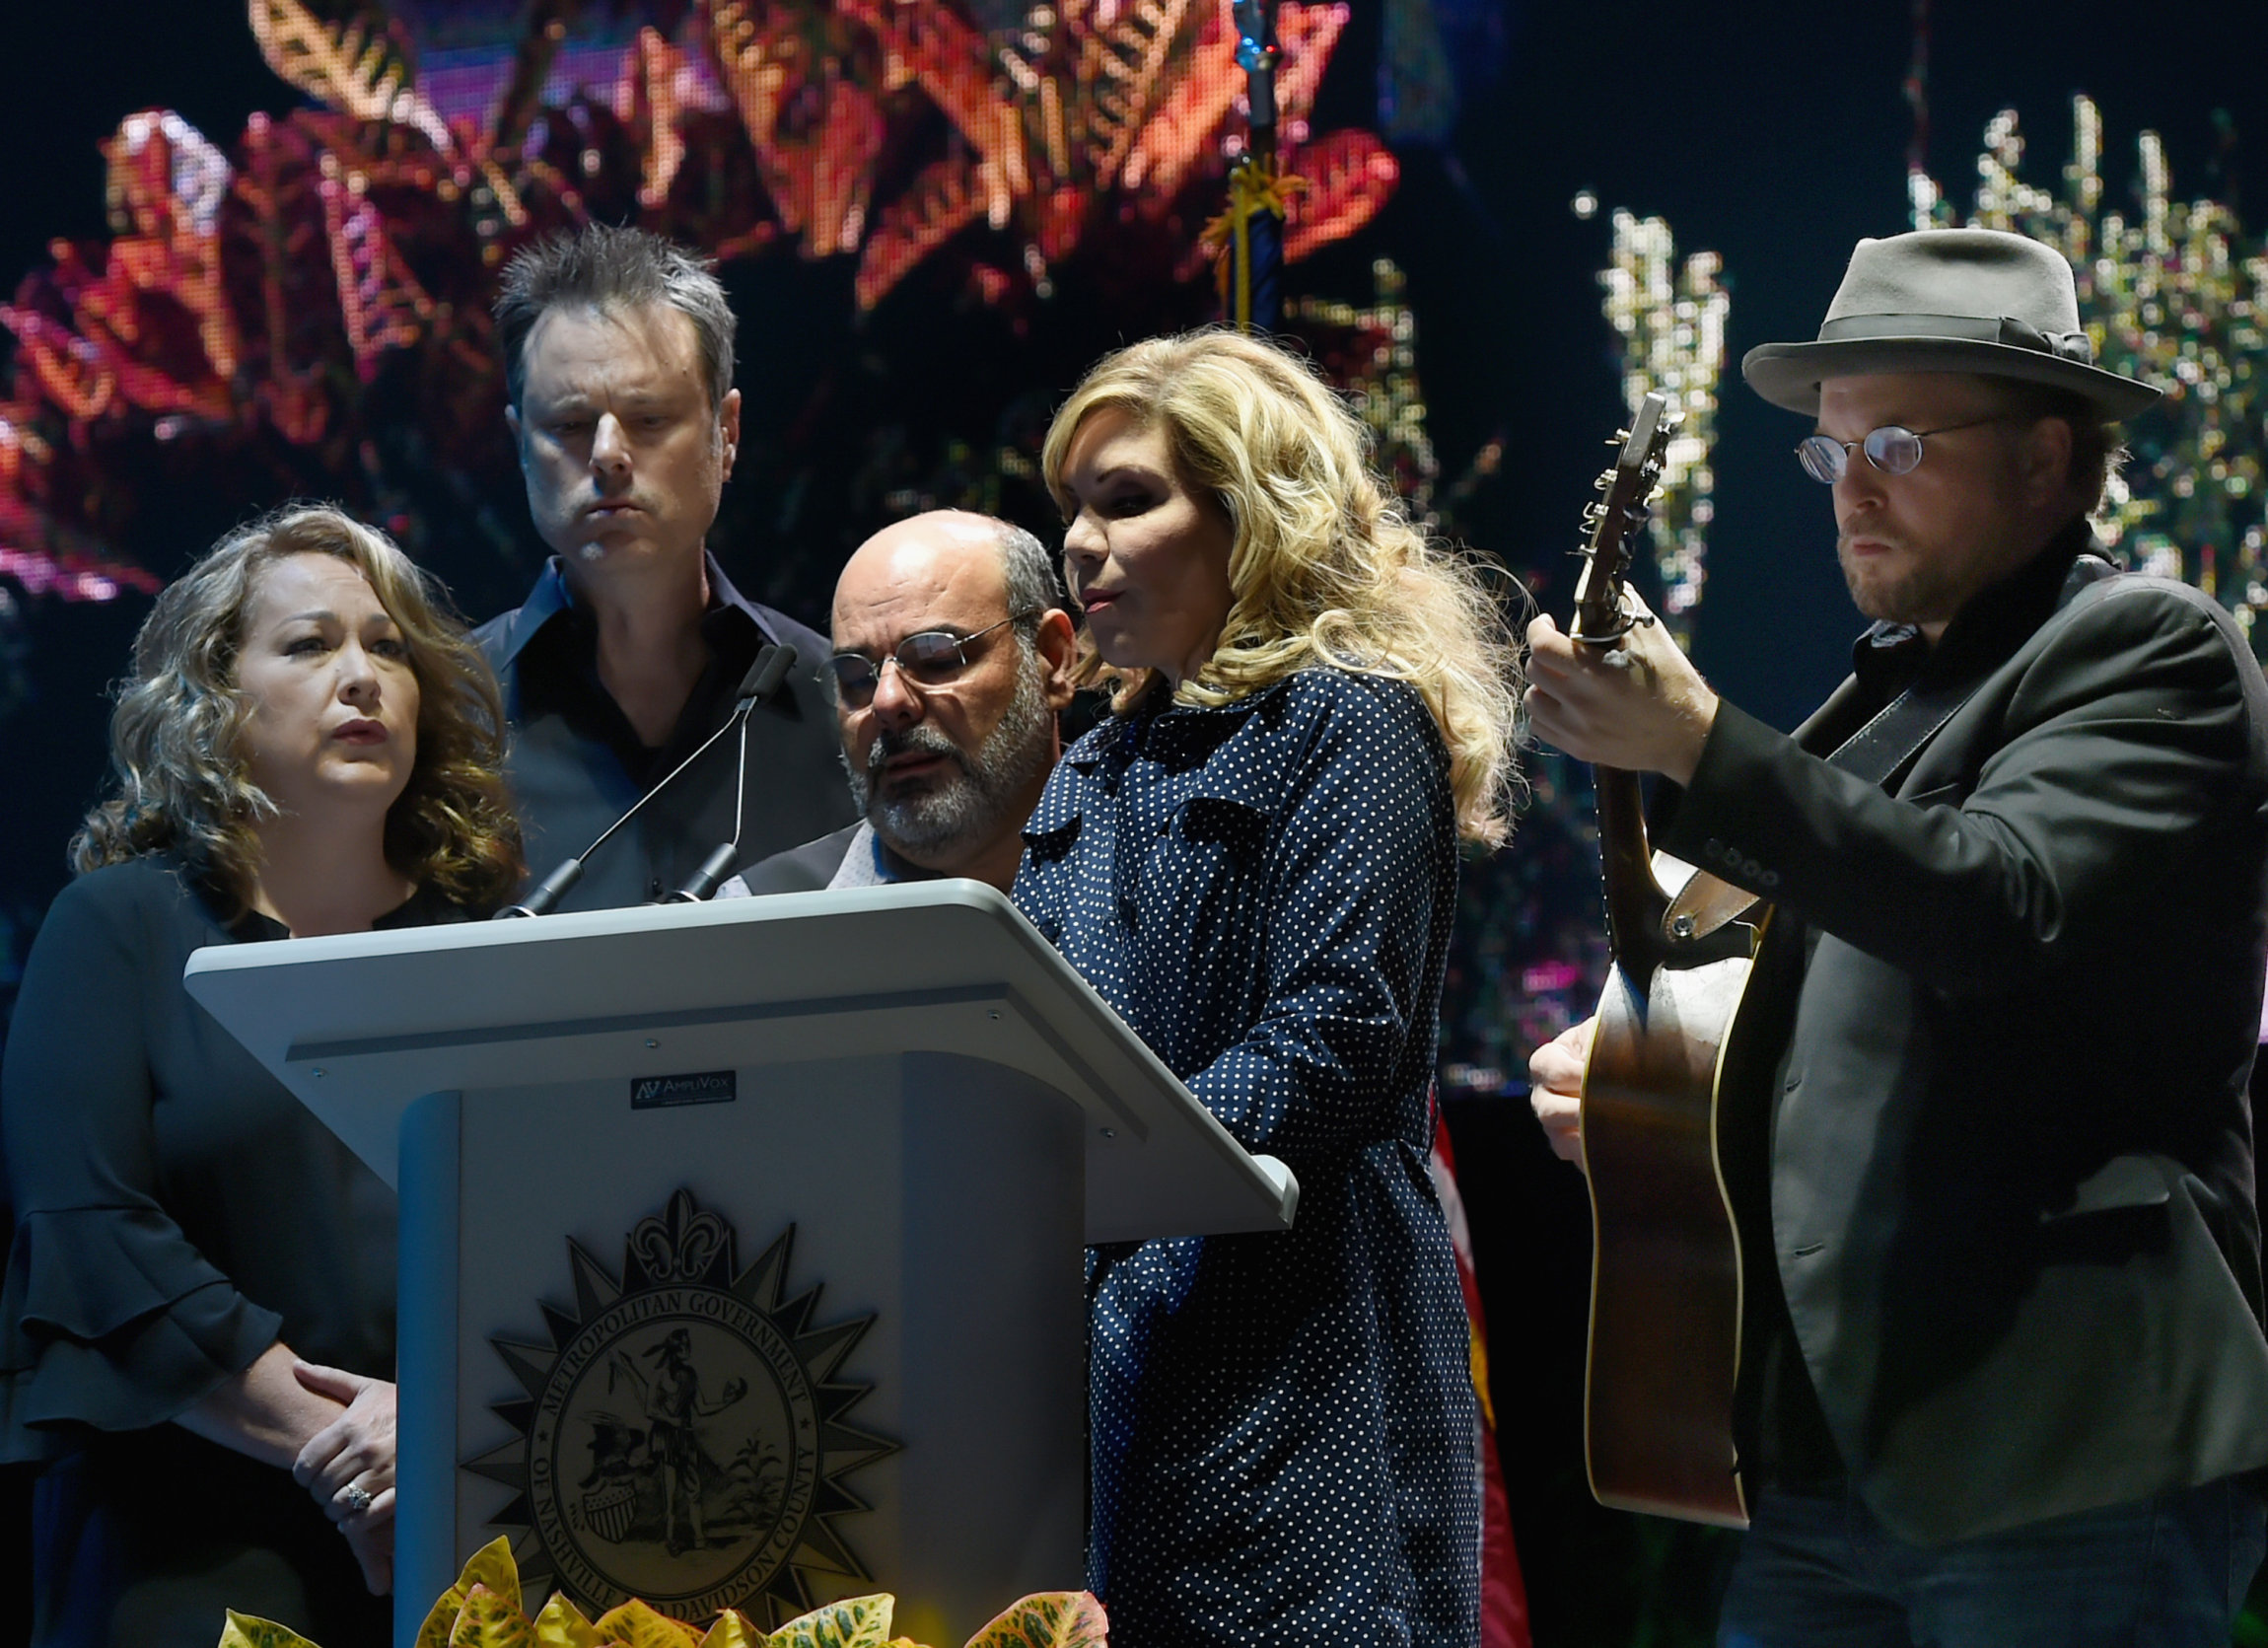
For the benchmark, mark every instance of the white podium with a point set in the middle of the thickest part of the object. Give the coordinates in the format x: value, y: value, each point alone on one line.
x: 740, y: 1242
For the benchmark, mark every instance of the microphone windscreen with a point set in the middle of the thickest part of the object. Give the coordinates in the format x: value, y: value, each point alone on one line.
x: 765, y: 674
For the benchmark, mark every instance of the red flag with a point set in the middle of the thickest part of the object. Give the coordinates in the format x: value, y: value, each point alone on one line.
x: 1503, y: 1595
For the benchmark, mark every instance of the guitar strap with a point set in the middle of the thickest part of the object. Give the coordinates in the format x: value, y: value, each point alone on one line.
x: 1880, y: 752
x: 1883, y: 749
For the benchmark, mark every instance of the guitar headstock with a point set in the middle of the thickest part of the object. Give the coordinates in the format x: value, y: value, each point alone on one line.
x: 1600, y: 612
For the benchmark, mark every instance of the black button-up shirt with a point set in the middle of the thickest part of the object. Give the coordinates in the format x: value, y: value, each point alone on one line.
x: 576, y: 764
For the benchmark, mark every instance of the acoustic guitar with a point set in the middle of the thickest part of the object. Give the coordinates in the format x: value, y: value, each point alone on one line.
x: 1665, y: 1275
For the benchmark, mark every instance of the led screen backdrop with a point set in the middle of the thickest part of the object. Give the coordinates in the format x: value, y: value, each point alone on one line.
x: 272, y: 280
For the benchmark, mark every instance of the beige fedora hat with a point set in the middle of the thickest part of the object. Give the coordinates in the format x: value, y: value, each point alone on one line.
x: 1949, y: 300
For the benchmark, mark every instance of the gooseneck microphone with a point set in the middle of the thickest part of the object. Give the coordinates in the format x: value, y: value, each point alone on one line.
x: 760, y: 682
x: 719, y: 864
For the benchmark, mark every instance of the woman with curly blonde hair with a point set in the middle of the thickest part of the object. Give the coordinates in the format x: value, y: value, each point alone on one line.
x: 199, y: 1302
x: 1254, y: 860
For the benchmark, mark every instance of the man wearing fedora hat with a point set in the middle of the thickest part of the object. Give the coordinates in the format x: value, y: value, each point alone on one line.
x: 2002, y: 1379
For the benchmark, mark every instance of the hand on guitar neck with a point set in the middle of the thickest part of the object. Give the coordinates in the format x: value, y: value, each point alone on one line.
x: 1638, y: 706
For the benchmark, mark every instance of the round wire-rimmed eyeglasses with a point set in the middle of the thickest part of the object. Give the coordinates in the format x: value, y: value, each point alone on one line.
x: 933, y: 658
x: 1893, y: 448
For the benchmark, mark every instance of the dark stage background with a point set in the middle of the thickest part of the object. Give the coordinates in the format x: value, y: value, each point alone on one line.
x: 1774, y: 134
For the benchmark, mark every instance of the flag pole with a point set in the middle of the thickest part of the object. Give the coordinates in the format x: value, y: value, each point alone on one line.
x: 1248, y: 238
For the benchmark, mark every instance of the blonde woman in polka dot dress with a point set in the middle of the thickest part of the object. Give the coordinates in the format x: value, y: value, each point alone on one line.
x: 1254, y: 860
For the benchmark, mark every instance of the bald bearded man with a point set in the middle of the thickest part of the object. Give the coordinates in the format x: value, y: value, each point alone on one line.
x: 952, y: 663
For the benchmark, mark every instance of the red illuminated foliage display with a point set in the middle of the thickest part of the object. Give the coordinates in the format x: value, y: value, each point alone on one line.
x: 247, y: 302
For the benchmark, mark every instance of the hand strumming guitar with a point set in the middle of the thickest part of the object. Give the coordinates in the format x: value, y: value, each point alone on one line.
x: 1555, y: 1091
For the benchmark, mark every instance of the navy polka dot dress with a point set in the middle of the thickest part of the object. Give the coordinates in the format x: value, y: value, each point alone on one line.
x: 1282, y: 1426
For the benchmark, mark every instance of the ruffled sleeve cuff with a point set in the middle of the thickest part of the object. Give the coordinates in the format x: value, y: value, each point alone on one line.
x: 109, y: 1319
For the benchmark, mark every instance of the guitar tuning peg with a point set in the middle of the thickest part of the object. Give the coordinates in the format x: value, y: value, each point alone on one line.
x: 1617, y: 438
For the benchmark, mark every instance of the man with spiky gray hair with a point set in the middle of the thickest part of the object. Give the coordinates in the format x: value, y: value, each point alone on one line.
x: 627, y: 655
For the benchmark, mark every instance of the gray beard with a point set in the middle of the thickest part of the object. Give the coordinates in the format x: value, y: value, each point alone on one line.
x: 970, y: 801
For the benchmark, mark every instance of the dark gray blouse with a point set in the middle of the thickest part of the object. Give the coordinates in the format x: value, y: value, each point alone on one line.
x: 177, y: 1212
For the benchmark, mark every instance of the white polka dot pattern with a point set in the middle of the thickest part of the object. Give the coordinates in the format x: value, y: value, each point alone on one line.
x: 1282, y: 1428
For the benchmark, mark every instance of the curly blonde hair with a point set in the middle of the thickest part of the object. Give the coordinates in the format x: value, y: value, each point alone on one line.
x: 1325, y: 567
x: 180, y: 780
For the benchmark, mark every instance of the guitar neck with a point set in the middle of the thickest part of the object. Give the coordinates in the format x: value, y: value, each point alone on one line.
x: 1636, y: 905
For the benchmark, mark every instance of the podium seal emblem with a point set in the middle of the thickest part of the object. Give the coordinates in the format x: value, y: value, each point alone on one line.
x: 684, y: 1435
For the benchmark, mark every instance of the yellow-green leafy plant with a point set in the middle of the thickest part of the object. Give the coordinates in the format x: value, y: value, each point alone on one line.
x: 483, y: 1610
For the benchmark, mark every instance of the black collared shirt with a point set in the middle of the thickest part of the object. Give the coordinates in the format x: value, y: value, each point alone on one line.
x: 576, y: 764
x: 1887, y: 658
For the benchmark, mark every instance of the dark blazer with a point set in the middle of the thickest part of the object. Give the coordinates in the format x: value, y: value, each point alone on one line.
x: 2009, y: 1150
x: 805, y: 868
